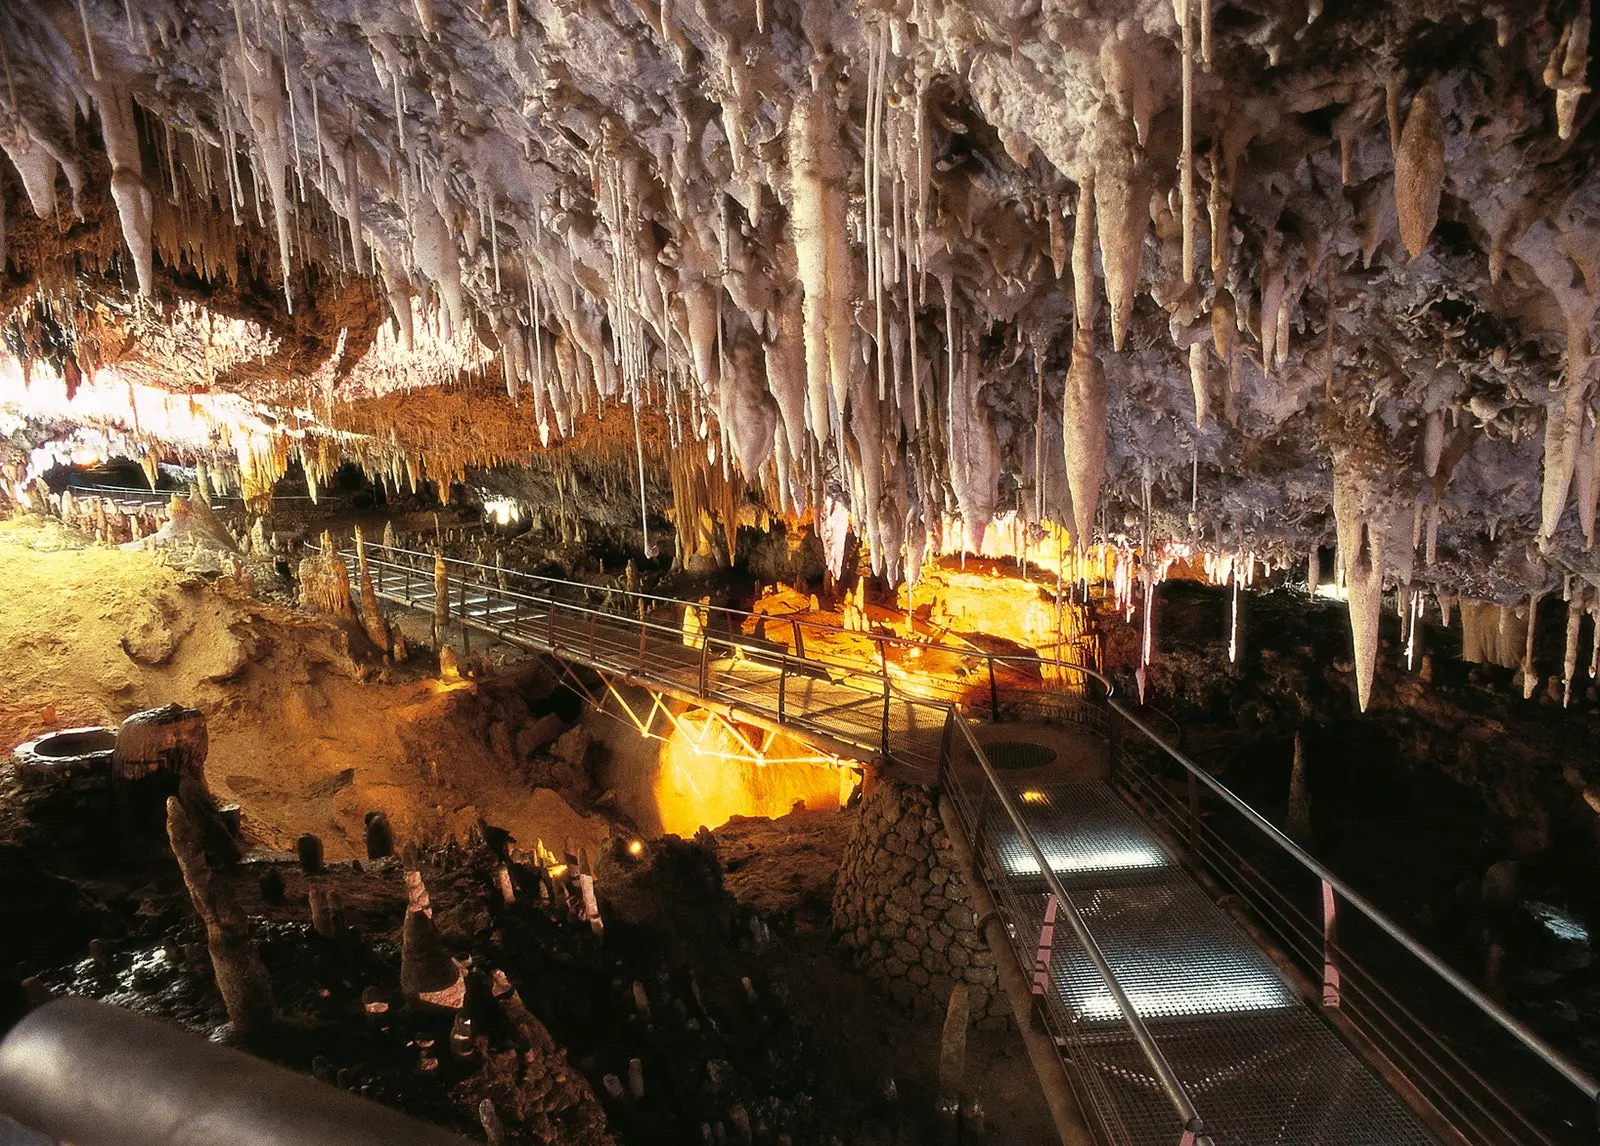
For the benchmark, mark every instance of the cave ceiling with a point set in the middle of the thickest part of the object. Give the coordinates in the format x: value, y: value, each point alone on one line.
x: 1238, y: 276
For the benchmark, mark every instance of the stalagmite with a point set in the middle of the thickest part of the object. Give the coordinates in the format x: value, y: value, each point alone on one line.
x: 1299, y: 816
x: 1419, y: 172
x: 441, y: 598
x: 1084, y: 419
x: 371, y: 615
x: 240, y: 977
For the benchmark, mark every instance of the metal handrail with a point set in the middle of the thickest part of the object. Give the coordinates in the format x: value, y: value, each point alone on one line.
x: 184, y: 491
x: 1494, y: 1011
x: 885, y: 639
x: 1188, y: 1116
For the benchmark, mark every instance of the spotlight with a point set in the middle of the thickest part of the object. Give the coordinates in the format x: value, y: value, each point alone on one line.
x: 1033, y: 796
x: 636, y: 848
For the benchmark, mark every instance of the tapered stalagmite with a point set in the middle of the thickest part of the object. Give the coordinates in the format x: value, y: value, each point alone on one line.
x: 441, y: 597
x: 371, y: 615
x: 241, y: 979
x: 1299, y: 817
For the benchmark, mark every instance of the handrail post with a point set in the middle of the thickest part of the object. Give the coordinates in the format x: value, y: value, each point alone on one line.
x: 883, y: 662
x: 591, y: 636
x: 799, y: 641
x: 783, y: 680
x: 643, y: 632
x: 1330, y: 965
x: 1194, y: 814
x: 550, y: 622
x: 1113, y: 742
x: 994, y: 692
x: 705, y: 661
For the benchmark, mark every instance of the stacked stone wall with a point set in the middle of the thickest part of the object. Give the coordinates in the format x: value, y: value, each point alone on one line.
x: 902, y: 910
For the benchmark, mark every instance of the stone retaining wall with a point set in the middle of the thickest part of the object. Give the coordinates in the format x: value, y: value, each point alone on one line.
x: 902, y: 910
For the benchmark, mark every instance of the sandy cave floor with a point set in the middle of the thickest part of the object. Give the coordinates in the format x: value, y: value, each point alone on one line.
x: 302, y: 737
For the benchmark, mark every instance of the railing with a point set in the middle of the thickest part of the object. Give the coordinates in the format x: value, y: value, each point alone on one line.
x: 1466, y: 1061
x: 987, y: 674
x: 144, y: 493
x: 1327, y: 929
x: 962, y: 757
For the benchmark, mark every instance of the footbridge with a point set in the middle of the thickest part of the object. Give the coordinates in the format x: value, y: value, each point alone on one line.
x: 1183, y: 972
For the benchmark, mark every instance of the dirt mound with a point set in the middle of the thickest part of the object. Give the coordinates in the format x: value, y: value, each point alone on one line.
x: 303, y: 737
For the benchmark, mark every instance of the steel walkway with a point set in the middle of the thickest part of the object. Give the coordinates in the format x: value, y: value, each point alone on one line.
x: 1288, y: 1020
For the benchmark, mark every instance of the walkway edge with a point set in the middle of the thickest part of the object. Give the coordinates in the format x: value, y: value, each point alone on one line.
x: 1048, y: 1065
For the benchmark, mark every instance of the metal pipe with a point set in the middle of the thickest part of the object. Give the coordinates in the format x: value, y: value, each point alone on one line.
x: 1171, y: 1085
x: 1515, y: 1026
x: 98, y: 1075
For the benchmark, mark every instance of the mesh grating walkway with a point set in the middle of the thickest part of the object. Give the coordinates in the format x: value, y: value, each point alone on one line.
x: 1262, y: 1066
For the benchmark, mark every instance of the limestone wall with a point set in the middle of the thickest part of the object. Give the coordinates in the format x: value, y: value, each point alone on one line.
x: 902, y: 910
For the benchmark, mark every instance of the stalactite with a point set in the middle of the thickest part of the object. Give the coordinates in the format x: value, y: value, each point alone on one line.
x: 1576, y: 598
x: 1362, y: 544
x: 1567, y: 70
x: 1084, y: 421
x: 1083, y: 257
x: 1197, y: 380
x: 821, y: 249
x: 1419, y: 171
x: 1530, y: 679
x: 135, y: 205
x: 1186, y: 154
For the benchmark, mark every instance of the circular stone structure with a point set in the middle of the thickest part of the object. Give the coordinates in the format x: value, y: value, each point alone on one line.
x: 902, y: 912
x: 78, y: 754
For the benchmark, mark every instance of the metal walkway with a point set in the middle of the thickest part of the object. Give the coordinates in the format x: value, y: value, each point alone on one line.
x: 1289, y: 1018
